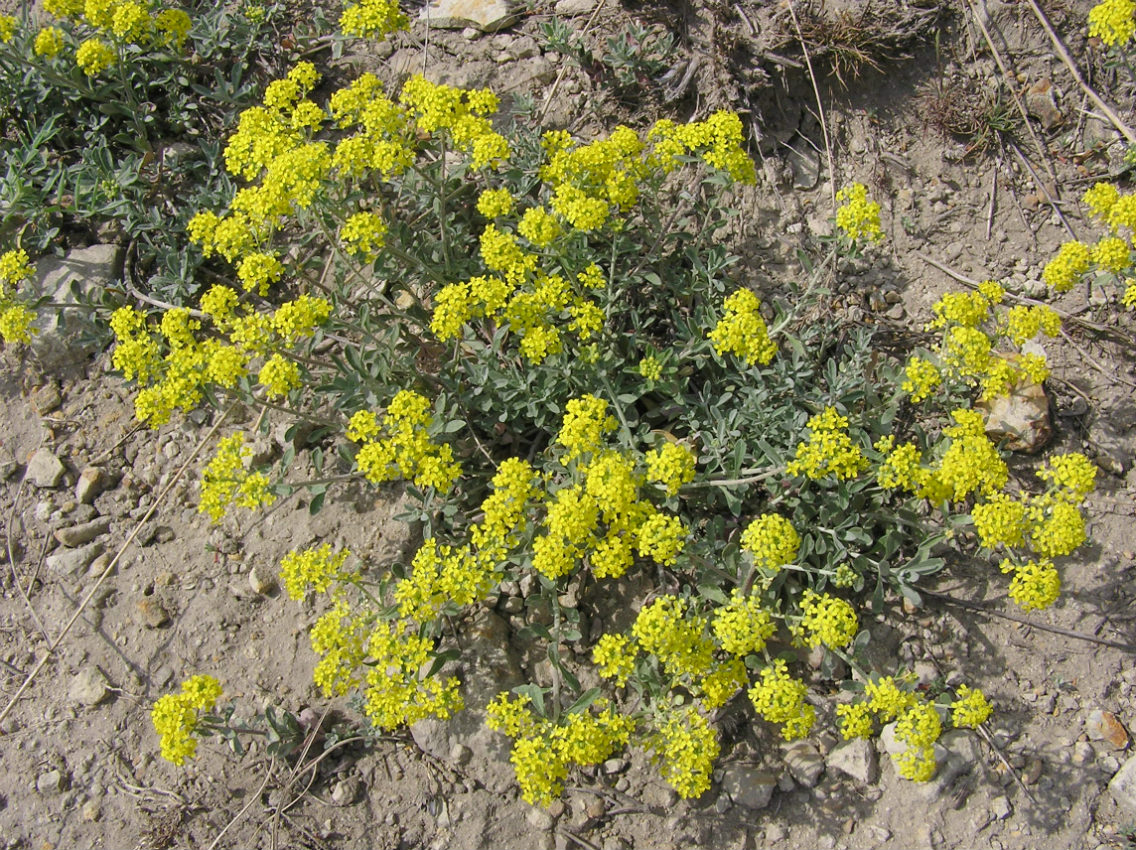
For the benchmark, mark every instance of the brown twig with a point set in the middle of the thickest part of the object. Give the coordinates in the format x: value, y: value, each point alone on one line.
x: 1121, y: 127
x: 820, y: 105
x: 989, y: 739
x: 1052, y: 201
x: 1013, y: 93
x: 564, y: 68
x: 1057, y: 630
x: 12, y: 561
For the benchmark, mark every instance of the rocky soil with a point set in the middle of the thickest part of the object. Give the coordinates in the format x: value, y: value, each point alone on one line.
x: 115, y: 588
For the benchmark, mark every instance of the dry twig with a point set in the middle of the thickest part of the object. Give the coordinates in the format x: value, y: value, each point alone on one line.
x: 820, y: 105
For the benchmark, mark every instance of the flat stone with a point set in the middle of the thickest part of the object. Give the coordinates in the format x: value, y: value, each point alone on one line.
x: 857, y: 759
x: 45, y: 470
x: 73, y: 561
x: 151, y: 613
x: 78, y: 535
x: 571, y: 8
x: 805, y: 763
x: 1122, y: 786
x: 73, y: 279
x: 1041, y: 103
x: 1104, y: 726
x: 486, y: 15
x: 47, y: 398
x: 89, y: 687
x: 748, y: 787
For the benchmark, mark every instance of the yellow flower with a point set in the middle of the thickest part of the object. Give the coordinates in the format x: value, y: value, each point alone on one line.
x: 363, y: 235
x: 94, y: 57
x: 743, y: 625
x: 16, y: 324
x: 176, y: 716
x: 742, y: 331
x: 780, y: 698
x: 1064, y: 270
x: 772, y: 541
x: 971, y: 709
x: 858, y: 217
x: 1036, y: 584
x: 15, y: 267
x: 279, y: 376
x: 49, y: 41
x: 827, y: 620
x: 922, y: 378
x: 829, y: 451
x: 1112, y: 254
x: 1113, y: 22
x: 671, y: 467
x: 686, y: 748
x: 585, y: 423
x: 7, y: 28
x: 317, y: 567
x: 1101, y: 199
x: 372, y: 18
x: 614, y: 655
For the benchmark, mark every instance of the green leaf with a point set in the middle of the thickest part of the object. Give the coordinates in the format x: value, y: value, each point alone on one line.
x: 585, y: 701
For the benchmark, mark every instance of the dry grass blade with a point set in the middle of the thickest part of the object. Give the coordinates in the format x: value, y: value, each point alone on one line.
x: 820, y: 106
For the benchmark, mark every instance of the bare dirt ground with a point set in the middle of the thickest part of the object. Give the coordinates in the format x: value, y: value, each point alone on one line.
x: 80, y: 759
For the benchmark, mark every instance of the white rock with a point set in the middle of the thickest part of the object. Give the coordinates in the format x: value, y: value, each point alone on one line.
x: 486, y: 15
x: 857, y: 759
x: 261, y: 580
x: 45, y: 470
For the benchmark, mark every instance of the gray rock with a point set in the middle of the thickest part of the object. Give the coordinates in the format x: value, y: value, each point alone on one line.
x: 805, y: 763
x: 151, y: 613
x: 45, y: 470
x: 89, y: 687
x: 1122, y: 786
x: 1113, y: 449
x: 774, y: 833
x: 1000, y: 808
x: 857, y: 759
x: 78, y: 535
x: 489, y: 667
x: 93, y: 480
x: 748, y: 787
x: 50, y: 782
x: 73, y: 279
x: 957, y: 753
x: 486, y: 15
x: 540, y: 819
x: 73, y: 561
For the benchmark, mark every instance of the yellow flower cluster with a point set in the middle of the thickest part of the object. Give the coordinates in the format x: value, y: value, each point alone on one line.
x: 685, y: 747
x: 969, y: 465
x: 173, y: 366
x: 397, y: 692
x: 401, y: 445
x: 664, y: 629
x: 780, y: 698
x: 919, y: 727
x: 614, y: 655
x: 1113, y: 22
x: 671, y: 467
x: 743, y: 625
x: 226, y: 480
x: 858, y: 217
x: 121, y: 22
x: 442, y: 574
x: 544, y: 751
x: 651, y: 368
x: 1065, y: 270
x: 967, y: 350
x: 462, y: 114
x: 971, y: 709
x: 341, y: 640
x: 372, y: 18
x: 742, y: 331
x: 772, y: 541
x: 176, y: 716
x: 7, y: 28
x: 586, y: 423
x: 829, y: 451
x: 827, y: 620
x: 316, y: 568
x: 15, y: 318
x: 718, y: 141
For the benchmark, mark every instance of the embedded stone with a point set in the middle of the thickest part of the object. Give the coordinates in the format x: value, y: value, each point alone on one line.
x: 73, y: 561
x: 805, y: 763
x: 486, y: 15
x: 45, y: 470
x: 857, y: 759
x: 78, y: 535
x: 747, y: 787
x: 1104, y: 726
